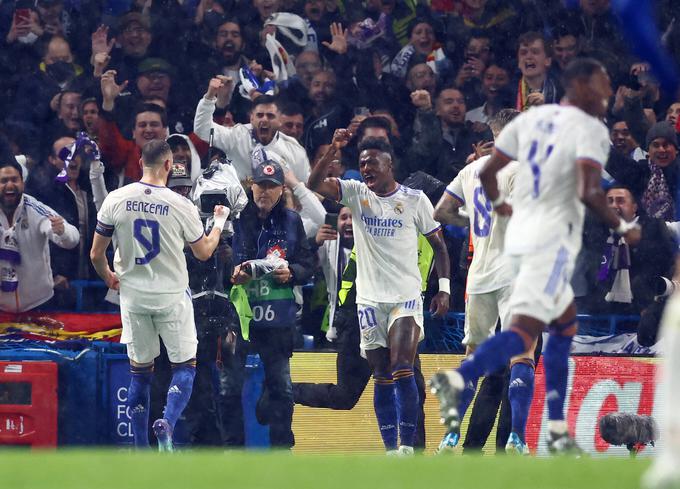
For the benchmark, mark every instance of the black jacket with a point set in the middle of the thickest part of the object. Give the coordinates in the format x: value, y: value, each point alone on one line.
x: 439, y: 155
x: 651, y: 258
x: 58, y: 196
x: 636, y: 174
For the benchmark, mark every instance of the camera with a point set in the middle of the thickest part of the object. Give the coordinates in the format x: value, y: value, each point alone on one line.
x: 219, y: 185
x: 210, y: 198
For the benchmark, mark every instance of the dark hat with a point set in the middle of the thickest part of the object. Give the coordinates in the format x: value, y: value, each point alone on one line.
x: 663, y: 130
x: 179, y: 176
x: 132, y: 17
x: 150, y: 65
x: 268, y: 171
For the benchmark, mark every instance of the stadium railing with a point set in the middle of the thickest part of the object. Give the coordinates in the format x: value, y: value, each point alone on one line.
x: 445, y: 335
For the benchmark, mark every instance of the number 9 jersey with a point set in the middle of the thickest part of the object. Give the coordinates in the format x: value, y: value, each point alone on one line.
x: 151, y: 225
x: 547, y: 141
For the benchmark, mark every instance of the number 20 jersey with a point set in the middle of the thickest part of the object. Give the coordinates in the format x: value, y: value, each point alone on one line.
x: 386, y: 238
x: 547, y: 141
x: 489, y: 270
x: 151, y: 225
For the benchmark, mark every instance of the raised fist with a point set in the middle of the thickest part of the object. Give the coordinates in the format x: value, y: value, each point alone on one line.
x: 421, y: 99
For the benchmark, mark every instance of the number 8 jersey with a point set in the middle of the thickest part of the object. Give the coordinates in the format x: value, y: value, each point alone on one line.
x: 547, y: 141
x: 489, y: 271
x: 151, y: 225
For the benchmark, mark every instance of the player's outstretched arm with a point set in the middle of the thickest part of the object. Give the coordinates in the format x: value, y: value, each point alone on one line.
x: 99, y: 262
x: 204, y: 247
x: 328, y: 187
x: 440, y: 302
x: 592, y: 195
x: 446, y: 211
x: 490, y: 183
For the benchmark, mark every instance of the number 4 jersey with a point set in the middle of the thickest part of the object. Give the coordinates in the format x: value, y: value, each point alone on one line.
x: 151, y: 225
x: 547, y: 141
x: 489, y: 270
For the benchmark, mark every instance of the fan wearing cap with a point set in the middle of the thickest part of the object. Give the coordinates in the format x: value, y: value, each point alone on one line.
x: 179, y: 180
x: 654, y: 181
x: 270, y: 233
x: 243, y: 141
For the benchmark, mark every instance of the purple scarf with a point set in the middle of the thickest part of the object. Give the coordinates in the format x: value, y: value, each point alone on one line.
x: 616, y: 259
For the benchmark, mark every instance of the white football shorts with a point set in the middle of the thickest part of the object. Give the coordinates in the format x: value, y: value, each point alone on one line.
x: 376, y: 319
x: 174, y: 323
x: 482, y: 312
x: 542, y: 287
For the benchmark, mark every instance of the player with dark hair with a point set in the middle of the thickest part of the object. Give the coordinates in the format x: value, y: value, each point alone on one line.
x: 387, y: 218
x: 151, y: 223
x: 561, y: 150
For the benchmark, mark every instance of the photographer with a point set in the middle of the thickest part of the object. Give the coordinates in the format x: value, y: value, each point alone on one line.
x: 272, y: 256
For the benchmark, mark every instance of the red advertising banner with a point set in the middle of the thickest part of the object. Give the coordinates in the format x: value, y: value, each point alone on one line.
x: 597, y: 386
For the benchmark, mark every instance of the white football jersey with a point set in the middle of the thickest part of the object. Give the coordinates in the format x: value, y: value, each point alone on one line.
x: 151, y: 225
x: 386, y: 237
x: 489, y: 270
x: 547, y: 141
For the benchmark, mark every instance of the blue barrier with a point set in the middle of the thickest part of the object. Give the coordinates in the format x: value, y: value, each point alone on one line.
x: 94, y: 377
x: 115, y: 379
x: 445, y: 335
x: 80, y: 286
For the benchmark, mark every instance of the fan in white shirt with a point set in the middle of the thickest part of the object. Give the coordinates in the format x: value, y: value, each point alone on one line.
x: 248, y: 145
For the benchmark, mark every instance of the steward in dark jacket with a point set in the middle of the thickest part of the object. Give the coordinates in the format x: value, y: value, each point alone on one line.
x: 271, y: 256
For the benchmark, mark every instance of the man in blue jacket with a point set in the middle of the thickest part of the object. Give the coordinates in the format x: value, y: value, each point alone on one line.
x: 272, y: 256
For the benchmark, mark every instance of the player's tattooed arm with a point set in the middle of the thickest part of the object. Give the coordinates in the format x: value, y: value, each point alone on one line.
x: 446, y: 211
x: 487, y: 176
x: 99, y: 262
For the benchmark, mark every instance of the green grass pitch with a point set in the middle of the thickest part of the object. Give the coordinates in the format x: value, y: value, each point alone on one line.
x: 103, y: 469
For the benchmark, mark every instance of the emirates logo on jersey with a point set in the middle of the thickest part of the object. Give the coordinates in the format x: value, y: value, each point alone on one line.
x: 268, y: 170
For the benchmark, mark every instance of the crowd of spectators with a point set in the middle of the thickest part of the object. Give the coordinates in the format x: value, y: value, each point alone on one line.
x: 271, y: 80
